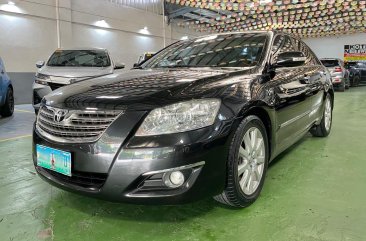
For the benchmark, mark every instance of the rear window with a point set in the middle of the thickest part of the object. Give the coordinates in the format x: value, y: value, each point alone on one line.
x: 79, y: 58
x: 330, y: 62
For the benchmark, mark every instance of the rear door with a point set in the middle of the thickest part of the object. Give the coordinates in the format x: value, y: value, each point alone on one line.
x: 316, y: 77
x: 291, y: 87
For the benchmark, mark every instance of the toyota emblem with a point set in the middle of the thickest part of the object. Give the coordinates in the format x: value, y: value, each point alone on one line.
x: 59, y: 115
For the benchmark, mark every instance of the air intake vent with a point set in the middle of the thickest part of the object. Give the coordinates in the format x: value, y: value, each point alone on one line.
x: 73, y: 126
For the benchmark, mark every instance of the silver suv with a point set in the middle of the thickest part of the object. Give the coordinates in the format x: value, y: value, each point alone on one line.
x: 67, y: 66
x: 338, y: 72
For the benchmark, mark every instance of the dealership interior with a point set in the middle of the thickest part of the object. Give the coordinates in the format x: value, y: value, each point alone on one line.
x: 183, y: 120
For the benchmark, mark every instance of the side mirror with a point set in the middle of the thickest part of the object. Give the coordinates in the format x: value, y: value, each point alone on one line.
x: 40, y: 64
x: 119, y: 65
x: 290, y: 59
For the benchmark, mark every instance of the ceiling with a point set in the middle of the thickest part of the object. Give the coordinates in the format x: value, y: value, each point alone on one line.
x: 305, y: 18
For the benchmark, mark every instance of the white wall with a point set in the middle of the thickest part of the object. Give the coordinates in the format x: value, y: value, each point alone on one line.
x: 29, y: 34
x: 333, y: 47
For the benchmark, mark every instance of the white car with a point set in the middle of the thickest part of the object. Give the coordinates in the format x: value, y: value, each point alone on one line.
x: 67, y: 66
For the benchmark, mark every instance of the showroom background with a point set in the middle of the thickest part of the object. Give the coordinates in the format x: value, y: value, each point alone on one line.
x: 28, y: 33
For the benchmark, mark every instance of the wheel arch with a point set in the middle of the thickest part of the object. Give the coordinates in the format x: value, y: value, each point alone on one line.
x: 264, y: 115
x: 331, y: 93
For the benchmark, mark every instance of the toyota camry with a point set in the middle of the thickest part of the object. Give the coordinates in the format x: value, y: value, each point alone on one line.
x: 202, y: 118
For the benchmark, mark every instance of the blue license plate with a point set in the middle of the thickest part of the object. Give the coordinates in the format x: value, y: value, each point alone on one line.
x: 53, y: 159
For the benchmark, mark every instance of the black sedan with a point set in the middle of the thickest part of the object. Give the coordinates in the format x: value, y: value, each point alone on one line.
x: 203, y: 117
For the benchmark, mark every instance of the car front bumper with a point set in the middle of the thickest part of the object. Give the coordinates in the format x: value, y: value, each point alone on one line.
x: 130, y: 169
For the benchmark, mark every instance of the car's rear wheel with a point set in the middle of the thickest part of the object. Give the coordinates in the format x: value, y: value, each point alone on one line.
x: 247, y: 164
x: 356, y: 81
x: 323, y: 129
x: 8, y: 108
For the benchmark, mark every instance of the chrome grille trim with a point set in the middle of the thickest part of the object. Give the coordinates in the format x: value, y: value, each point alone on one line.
x: 78, y: 126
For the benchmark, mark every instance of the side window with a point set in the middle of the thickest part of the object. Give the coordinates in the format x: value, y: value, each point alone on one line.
x: 281, y: 44
x: 311, y: 59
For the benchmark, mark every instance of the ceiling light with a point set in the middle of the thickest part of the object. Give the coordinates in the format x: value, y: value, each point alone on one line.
x: 102, y: 23
x: 144, y: 30
x: 10, y: 7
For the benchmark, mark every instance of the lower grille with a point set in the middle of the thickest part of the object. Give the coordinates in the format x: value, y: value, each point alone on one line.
x: 82, y: 179
x: 73, y: 126
x: 55, y: 86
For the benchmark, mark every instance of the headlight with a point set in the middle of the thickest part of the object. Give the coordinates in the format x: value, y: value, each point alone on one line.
x: 42, y: 79
x: 180, y: 117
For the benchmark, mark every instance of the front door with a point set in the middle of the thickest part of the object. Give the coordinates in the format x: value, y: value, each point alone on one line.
x: 292, y: 97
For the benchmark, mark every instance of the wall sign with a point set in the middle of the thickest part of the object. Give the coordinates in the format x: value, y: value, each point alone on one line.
x: 355, y: 52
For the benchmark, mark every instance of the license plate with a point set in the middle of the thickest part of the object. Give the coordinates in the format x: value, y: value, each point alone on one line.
x: 54, y: 159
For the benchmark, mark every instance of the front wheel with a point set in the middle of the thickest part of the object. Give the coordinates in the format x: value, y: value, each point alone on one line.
x: 247, y: 164
x: 8, y: 108
x: 323, y: 129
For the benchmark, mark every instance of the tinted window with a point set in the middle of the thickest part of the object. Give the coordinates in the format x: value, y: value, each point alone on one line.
x: 311, y: 59
x: 231, y: 50
x: 79, y: 58
x: 330, y: 62
x: 281, y: 44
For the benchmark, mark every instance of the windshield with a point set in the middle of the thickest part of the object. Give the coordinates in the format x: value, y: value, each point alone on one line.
x: 79, y: 58
x: 231, y: 50
x: 330, y: 62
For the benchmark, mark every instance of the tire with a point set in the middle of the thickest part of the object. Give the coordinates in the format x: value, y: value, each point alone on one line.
x: 356, y: 80
x: 8, y: 108
x: 253, y: 166
x: 324, y: 128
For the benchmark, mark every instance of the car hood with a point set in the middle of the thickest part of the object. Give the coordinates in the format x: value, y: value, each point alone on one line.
x: 148, y: 89
x: 75, y: 72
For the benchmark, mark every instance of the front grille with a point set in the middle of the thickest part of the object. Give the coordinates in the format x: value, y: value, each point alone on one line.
x: 82, y: 179
x: 74, y: 125
x: 55, y: 86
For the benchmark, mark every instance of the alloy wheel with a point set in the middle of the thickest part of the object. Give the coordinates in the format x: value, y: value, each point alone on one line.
x: 251, y: 160
x: 328, y: 114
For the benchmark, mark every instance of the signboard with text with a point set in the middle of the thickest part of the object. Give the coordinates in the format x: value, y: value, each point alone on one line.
x: 355, y: 52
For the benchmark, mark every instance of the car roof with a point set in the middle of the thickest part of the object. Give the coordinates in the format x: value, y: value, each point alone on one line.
x: 82, y: 48
x: 270, y: 32
x: 329, y: 59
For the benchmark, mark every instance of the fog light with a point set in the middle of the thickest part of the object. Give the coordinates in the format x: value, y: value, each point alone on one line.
x: 173, y: 179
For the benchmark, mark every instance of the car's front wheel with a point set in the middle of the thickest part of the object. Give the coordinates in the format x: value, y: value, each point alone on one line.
x: 247, y: 164
x: 8, y: 108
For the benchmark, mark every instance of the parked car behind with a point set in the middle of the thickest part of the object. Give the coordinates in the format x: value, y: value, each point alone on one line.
x: 203, y: 117
x: 6, y: 92
x: 67, y: 66
x: 357, y: 72
x: 340, y: 75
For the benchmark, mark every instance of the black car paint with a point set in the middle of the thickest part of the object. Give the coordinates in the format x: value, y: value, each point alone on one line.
x: 288, y: 100
x: 357, y: 69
